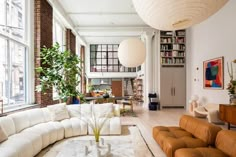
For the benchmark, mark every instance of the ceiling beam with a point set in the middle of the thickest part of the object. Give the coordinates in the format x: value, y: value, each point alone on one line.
x: 113, y: 27
x: 102, y: 13
x: 60, y: 12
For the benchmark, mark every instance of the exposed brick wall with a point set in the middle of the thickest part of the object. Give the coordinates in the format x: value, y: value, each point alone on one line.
x: 70, y: 41
x: 43, y: 22
x: 83, y: 79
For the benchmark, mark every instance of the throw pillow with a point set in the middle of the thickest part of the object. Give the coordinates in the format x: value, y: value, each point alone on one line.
x: 58, y: 112
x: 3, y: 135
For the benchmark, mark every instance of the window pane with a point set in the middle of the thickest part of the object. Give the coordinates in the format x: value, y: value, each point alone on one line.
x: 104, y: 55
x: 58, y: 34
x: 122, y: 68
x: 15, y: 18
x: 4, y: 81
x: 93, y: 48
x: 104, y: 62
x: 17, y: 73
x: 109, y: 47
x: 110, y: 68
x: 115, y: 47
x: 93, y: 62
x: 2, y: 16
x: 99, y: 61
x: 115, y: 55
x: 116, y: 68
x: 92, y: 55
x: 115, y: 61
x: 104, y: 47
x: 110, y: 55
x: 109, y: 61
x: 99, y: 54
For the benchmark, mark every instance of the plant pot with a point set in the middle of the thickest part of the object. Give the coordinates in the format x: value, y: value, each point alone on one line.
x: 75, y: 100
x: 106, y: 95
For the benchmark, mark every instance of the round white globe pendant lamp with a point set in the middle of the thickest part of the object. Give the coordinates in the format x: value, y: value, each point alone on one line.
x: 176, y: 14
x: 131, y: 52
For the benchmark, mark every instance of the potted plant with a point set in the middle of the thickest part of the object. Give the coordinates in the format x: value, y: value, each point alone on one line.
x: 232, y: 84
x: 60, y: 70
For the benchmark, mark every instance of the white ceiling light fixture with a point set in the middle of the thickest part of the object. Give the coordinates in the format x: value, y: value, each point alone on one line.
x: 131, y: 52
x: 176, y: 14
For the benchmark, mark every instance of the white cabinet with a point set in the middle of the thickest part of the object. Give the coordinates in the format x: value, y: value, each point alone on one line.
x: 173, y: 87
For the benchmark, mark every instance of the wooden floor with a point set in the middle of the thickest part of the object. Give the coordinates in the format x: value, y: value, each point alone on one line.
x: 146, y: 120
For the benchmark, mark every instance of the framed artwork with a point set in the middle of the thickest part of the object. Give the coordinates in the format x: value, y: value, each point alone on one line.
x: 213, y: 74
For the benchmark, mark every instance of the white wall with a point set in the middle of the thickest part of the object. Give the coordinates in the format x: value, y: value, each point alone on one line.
x: 212, y: 38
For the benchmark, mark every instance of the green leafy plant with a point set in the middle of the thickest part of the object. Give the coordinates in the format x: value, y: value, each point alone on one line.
x: 61, y: 70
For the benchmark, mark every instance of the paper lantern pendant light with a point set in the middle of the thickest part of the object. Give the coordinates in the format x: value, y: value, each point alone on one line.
x: 176, y: 14
x: 131, y: 52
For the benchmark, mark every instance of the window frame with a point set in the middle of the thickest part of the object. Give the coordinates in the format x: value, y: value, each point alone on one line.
x: 98, y: 48
x: 24, y: 43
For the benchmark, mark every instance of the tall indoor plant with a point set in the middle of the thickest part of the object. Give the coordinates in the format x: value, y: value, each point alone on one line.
x: 60, y: 70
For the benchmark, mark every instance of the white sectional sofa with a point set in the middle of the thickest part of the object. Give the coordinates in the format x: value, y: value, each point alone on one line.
x: 26, y: 133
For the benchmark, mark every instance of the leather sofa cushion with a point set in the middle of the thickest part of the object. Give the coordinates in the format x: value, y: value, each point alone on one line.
x: 226, y: 142
x: 199, y: 128
x: 8, y: 125
x: 172, y: 138
x: 199, y: 152
x: 3, y: 135
x: 58, y: 112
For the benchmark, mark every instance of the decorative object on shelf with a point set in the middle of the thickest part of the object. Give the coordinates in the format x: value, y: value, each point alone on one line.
x: 176, y: 14
x: 213, y: 73
x: 99, y: 149
x: 131, y: 52
x: 193, y: 103
x: 232, y: 84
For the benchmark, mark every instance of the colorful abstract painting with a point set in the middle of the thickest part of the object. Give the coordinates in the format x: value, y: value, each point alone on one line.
x: 213, y: 73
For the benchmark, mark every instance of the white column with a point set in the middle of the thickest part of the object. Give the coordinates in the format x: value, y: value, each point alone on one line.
x: 149, y: 70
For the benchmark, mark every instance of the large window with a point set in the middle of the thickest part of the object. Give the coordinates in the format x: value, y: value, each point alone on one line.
x: 13, y: 53
x: 59, y: 37
x: 59, y: 34
x: 104, y: 58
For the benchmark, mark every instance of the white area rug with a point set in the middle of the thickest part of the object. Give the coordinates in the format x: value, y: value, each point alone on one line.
x: 129, y: 144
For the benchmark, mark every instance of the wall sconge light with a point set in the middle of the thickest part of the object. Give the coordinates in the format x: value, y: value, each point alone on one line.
x: 131, y: 52
x: 176, y: 14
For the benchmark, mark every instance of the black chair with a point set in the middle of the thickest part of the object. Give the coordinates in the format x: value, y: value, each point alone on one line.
x: 154, y: 103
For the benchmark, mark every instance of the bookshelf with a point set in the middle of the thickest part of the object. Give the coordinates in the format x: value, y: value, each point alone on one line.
x: 138, y: 89
x: 172, y: 48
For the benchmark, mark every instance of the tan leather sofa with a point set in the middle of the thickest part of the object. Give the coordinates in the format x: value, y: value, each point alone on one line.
x: 191, y: 133
x: 225, y: 146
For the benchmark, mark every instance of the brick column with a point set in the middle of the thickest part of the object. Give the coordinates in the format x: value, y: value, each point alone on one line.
x: 43, y: 22
x: 83, y: 79
x: 70, y: 41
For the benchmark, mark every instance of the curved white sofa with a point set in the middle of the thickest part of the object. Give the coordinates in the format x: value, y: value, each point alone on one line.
x: 26, y: 133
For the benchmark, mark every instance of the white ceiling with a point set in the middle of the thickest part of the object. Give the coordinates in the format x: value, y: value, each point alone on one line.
x: 101, y: 18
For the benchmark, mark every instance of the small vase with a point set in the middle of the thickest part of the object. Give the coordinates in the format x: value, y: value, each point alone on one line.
x: 233, y: 99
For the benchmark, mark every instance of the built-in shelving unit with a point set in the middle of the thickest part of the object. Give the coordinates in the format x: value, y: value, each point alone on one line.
x: 138, y: 89
x: 172, y: 47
